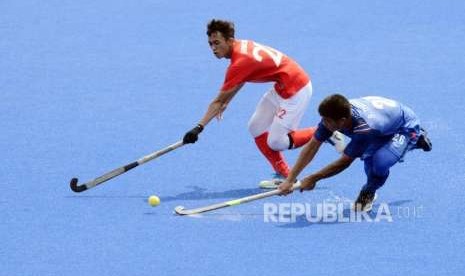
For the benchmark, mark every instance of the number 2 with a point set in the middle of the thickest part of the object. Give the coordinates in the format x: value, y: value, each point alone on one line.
x: 275, y: 55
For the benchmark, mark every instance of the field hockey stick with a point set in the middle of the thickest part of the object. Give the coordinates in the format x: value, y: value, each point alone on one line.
x: 180, y: 210
x: 99, y: 180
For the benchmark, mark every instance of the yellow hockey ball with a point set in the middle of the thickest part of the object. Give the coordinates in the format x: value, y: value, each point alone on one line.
x: 154, y: 200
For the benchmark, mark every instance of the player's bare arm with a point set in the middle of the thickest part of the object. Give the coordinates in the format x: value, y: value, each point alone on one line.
x: 305, y: 157
x: 219, y: 104
x: 309, y: 182
x: 215, y: 109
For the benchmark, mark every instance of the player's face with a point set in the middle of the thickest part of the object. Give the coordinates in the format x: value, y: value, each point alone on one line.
x: 220, y: 46
x: 333, y: 125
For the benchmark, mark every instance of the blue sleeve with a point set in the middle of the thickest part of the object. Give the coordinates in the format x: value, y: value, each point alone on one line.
x: 357, y: 146
x: 322, y: 133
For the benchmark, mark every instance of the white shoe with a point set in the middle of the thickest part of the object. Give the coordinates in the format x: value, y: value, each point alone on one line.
x: 272, y: 183
x: 337, y: 140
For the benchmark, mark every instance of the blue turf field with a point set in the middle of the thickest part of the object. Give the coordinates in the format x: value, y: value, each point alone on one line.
x: 87, y: 86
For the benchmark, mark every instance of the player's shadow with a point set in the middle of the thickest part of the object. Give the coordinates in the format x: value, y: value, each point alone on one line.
x: 397, y: 203
x: 199, y: 193
x: 196, y: 193
x: 348, y: 216
x: 107, y: 196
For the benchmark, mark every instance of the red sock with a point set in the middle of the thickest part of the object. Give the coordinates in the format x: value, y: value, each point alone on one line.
x: 301, y: 136
x: 275, y: 158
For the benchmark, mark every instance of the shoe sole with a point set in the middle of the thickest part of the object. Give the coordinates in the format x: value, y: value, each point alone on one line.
x: 266, y: 185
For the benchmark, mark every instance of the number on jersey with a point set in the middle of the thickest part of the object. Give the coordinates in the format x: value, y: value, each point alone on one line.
x: 258, y: 50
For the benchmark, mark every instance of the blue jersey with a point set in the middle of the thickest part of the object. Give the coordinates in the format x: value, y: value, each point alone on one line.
x: 375, y: 120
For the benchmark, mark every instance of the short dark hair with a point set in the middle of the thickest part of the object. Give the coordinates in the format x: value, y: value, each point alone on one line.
x: 226, y: 28
x: 335, y: 107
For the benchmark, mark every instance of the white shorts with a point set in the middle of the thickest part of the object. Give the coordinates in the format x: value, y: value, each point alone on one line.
x: 279, y: 116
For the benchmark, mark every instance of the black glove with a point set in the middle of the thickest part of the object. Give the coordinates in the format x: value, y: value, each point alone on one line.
x: 192, y: 135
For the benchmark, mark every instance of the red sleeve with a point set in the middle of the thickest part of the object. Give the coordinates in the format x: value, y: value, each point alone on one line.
x: 235, y: 75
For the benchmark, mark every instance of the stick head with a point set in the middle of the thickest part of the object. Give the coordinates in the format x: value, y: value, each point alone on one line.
x: 178, y: 210
x: 75, y: 187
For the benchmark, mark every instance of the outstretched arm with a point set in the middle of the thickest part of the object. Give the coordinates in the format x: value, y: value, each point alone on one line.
x: 305, y: 157
x: 309, y: 182
x: 219, y: 104
x: 216, y: 108
x: 334, y: 168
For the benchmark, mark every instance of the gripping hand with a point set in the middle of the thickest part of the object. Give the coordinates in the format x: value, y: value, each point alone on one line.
x: 192, y: 135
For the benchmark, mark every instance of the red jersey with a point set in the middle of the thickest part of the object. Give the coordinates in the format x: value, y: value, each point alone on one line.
x: 253, y: 62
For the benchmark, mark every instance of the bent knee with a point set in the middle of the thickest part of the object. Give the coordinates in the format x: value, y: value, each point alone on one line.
x: 278, y: 143
x: 383, y: 160
x: 380, y: 168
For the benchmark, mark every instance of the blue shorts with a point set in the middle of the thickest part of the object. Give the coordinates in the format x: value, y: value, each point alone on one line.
x: 403, y: 142
x: 385, y: 155
x: 398, y: 144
